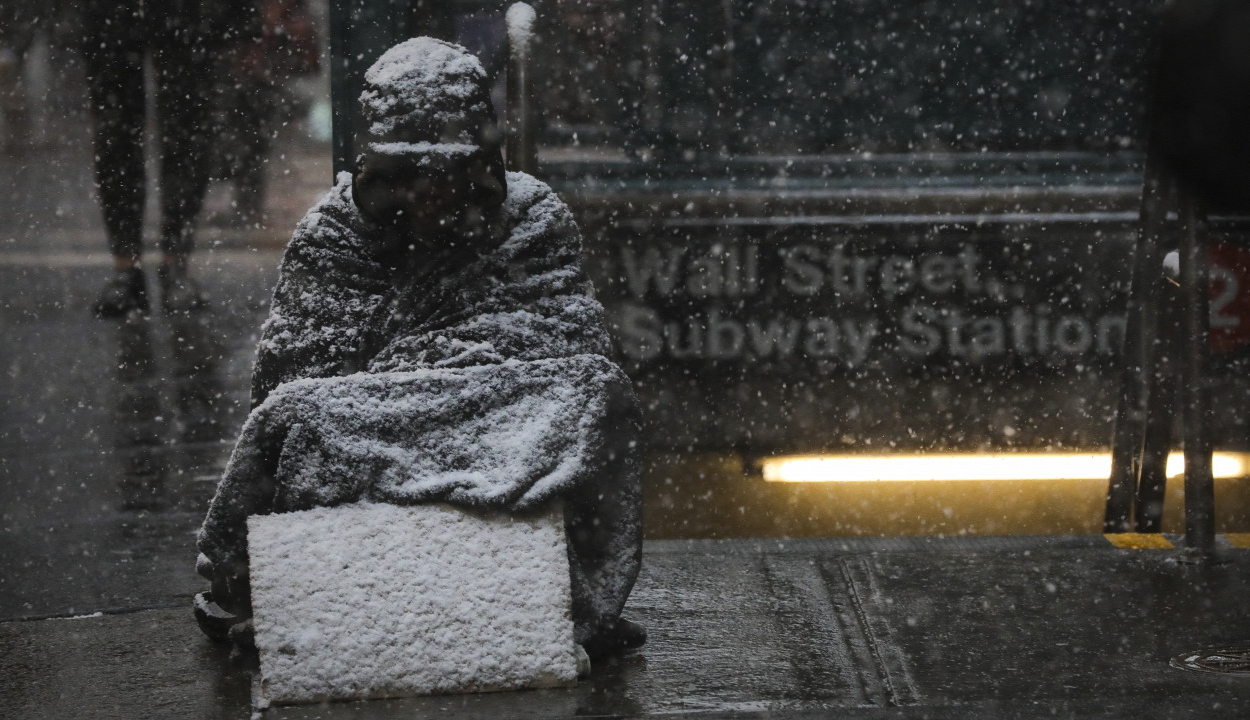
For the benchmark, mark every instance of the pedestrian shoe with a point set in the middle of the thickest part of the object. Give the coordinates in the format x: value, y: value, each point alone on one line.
x: 615, y: 639
x: 125, y: 292
x: 179, y: 293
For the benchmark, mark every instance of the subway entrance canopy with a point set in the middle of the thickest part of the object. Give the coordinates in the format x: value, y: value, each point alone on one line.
x: 847, y: 228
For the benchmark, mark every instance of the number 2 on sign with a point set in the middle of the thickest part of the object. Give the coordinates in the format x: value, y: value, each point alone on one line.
x: 1224, y: 281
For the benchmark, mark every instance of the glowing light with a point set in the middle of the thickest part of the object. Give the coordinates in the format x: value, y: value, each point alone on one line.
x: 1006, y: 466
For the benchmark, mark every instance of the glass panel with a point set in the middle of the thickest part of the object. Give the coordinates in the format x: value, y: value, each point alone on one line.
x: 690, y: 83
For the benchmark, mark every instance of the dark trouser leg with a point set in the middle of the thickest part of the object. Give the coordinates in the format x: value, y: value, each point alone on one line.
x: 256, y: 110
x: 15, y: 41
x: 603, y: 519
x: 183, y: 89
x: 115, y: 74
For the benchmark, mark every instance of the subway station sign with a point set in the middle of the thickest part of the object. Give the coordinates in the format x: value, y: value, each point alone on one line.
x: 829, y: 296
x: 807, y: 334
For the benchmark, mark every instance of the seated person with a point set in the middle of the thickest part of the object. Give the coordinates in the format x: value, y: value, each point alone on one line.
x: 433, y: 338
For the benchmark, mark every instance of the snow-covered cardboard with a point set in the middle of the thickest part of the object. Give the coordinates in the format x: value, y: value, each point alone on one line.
x: 374, y: 600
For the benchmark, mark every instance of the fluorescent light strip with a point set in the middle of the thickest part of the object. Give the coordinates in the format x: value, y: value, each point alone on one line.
x: 1010, y: 466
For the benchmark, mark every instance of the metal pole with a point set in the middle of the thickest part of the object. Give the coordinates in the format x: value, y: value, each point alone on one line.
x: 1162, y: 392
x: 342, y: 105
x: 1199, y: 485
x: 360, y: 31
x: 1139, y: 342
x: 522, y: 143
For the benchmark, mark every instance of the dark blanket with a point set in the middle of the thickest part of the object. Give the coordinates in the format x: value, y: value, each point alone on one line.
x: 479, y: 381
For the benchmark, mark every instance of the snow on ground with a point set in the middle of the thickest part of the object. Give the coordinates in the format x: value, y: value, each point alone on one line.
x: 372, y: 600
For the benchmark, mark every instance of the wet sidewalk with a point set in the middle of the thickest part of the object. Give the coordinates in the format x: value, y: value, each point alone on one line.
x: 979, y: 628
x: 113, y: 436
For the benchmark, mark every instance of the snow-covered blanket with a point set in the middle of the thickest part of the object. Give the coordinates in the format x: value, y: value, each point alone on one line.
x: 339, y: 308
x: 477, y: 379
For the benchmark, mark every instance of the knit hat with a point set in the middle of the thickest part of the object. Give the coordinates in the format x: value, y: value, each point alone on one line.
x: 425, y: 89
x: 429, y: 101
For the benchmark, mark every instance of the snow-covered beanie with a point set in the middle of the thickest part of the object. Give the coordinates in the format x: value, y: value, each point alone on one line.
x: 429, y: 97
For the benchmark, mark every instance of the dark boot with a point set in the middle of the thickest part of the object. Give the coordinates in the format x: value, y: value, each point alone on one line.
x: 125, y: 292
x: 179, y: 293
x: 244, y: 654
x: 213, y: 621
x: 619, y: 637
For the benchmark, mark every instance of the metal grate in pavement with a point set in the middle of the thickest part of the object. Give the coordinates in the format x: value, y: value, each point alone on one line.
x: 1222, y: 661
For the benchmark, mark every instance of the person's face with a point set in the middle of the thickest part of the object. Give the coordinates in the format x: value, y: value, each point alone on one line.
x: 425, y: 195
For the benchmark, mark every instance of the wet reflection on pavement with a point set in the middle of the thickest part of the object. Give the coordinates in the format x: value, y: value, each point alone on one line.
x: 152, y: 412
x: 115, y: 433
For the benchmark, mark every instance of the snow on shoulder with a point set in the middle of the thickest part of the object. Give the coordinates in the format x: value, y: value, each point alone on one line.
x: 535, y: 210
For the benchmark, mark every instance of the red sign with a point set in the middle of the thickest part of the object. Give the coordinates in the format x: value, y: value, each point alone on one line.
x: 1230, y: 296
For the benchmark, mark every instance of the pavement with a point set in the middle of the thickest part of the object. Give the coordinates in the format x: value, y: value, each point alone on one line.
x: 977, y: 628
x: 113, y: 435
